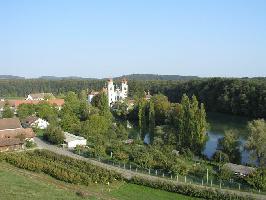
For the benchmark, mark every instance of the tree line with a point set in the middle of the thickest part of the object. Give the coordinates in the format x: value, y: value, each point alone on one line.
x: 246, y: 97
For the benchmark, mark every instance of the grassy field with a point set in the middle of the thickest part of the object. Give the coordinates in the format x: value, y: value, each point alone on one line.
x: 18, y: 184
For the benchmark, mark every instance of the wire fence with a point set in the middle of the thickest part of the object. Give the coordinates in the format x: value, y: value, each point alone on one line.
x: 188, y: 179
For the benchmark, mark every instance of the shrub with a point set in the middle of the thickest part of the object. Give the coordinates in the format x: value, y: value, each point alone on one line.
x: 61, y: 167
x: 189, y: 190
x: 54, y: 135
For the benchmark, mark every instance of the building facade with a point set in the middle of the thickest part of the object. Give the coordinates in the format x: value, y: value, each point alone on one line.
x: 114, y: 93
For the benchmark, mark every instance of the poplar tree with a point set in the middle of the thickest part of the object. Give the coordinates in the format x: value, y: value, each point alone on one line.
x: 151, y: 118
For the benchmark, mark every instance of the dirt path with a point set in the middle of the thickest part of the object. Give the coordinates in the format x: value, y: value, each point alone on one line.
x: 127, y: 174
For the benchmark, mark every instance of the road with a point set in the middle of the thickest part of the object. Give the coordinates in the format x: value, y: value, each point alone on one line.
x: 127, y: 174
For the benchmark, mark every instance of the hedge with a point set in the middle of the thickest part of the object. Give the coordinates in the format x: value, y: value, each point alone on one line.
x: 61, y: 167
x: 188, y: 190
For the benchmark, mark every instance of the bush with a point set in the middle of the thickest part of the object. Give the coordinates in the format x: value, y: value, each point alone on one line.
x: 30, y: 144
x: 257, y: 179
x: 189, y: 190
x: 225, y: 173
x: 61, y: 167
x: 54, y: 135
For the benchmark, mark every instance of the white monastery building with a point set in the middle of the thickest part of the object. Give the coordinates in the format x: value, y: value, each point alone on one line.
x: 114, y: 92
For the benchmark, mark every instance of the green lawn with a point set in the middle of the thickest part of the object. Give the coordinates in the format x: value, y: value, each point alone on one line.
x: 17, y: 184
x: 14, y: 186
x: 136, y: 192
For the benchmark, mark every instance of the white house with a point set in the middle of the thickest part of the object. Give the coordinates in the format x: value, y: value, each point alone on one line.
x: 114, y: 93
x: 35, y: 122
x: 72, y: 140
x: 39, y: 96
x: 40, y: 123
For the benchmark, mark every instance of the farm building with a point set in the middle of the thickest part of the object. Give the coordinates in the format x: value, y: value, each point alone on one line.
x: 72, y: 141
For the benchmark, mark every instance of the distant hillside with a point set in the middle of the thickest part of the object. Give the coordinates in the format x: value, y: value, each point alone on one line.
x: 129, y: 77
x: 10, y: 77
x: 64, y: 78
x: 156, y: 77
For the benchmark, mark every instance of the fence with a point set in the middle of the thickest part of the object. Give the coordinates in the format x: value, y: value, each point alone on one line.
x: 189, y: 179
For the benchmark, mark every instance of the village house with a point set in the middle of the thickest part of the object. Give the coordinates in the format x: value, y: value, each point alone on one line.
x: 71, y: 141
x: 40, y: 96
x: 35, y: 122
x: 13, y: 135
x: 55, y: 102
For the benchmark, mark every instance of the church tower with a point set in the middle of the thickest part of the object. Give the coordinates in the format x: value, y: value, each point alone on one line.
x: 124, y: 90
x: 110, y: 91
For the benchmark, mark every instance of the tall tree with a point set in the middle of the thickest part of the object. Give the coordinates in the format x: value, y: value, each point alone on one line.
x: 191, y: 125
x: 151, y: 119
x: 7, y: 111
x: 25, y: 110
x: 229, y: 144
x: 162, y: 107
x: 101, y: 102
x: 54, y: 134
x: 257, y: 140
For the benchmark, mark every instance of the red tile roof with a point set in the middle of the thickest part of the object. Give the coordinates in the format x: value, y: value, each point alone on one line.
x: 10, y: 142
x: 23, y: 132
x: 16, y: 103
x: 9, y: 123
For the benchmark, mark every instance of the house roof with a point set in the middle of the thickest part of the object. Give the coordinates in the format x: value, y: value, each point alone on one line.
x: 241, y: 169
x: 29, y: 120
x: 9, y: 123
x: 26, y: 132
x: 93, y: 93
x: 16, y: 103
x: 40, y: 95
x: 57, y: 102
x: 10, y: 142
x: 70, y: 137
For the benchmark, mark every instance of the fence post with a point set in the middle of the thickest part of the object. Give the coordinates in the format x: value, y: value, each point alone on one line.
x: 130, y: 167
x: 156, y: 172
x: 238, y: 186
x: 149, y: 171
x: 202, y: 182
x: 124, y: 166
x: 177, y: 178
x: 211, y: 183
x: 207, y: 176
x: 185, y: 179
x: 163, y: 174
x: 171, y: 176
x: 136, y: 169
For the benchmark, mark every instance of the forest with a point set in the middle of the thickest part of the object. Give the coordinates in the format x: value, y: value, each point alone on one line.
x: 245, y: 97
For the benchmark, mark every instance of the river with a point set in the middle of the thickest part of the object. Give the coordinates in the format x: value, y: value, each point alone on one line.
x: 218, y: 124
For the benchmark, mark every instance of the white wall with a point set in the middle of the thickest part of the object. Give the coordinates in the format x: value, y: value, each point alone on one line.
x: 74, y: 143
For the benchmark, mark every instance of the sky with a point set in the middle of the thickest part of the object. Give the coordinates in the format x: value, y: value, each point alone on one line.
x: 107, y: 38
